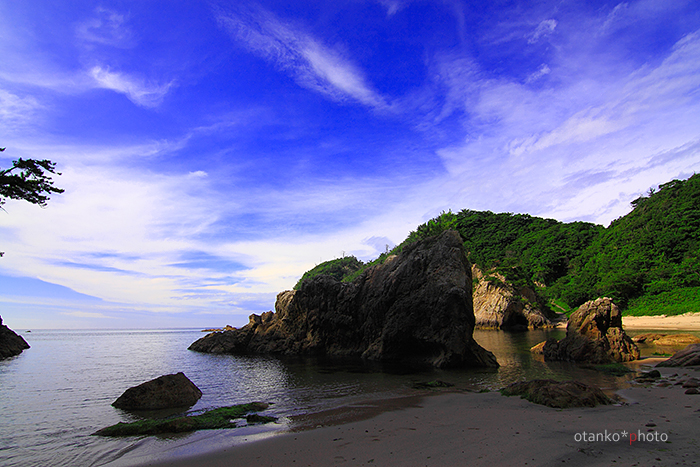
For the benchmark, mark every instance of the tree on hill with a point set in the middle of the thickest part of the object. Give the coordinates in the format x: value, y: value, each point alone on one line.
x: 28, y: 180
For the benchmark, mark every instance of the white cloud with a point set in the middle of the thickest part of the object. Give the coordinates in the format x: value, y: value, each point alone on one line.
x: 392, y: 6
x: 86, y: 314
x: 580, y: 147
x: 138, y: 91
x: 544, y: 29
x: 313, y: 65
x: 543, y: 70
x: 17, y: 111
x: 106, y: 27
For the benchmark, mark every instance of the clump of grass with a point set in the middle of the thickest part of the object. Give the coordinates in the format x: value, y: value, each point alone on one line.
x: 216, y: 418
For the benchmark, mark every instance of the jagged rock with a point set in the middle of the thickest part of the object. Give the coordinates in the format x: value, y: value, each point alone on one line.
x: 164, y: 392
x: 414, y: 308
x: 593, y: 335
x: 559, y: 394
x: 499, y: 305
x: 11, y: 343
x: 690, y: 356
x: 666, y: 339
x: 538, y: 349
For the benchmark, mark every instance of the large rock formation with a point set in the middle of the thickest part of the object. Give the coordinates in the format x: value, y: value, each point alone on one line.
x: 164, y: 392
x: 415, y: 308
x: 593, y: 335
x: 499, y: 305
x: 11, y: 343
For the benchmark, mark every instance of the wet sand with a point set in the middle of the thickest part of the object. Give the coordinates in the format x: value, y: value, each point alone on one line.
x: 489, y: 429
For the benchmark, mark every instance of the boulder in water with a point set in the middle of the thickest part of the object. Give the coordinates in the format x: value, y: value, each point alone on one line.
x: 164, y: 392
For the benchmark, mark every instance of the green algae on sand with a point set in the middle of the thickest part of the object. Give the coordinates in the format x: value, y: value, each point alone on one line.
x: 216, y: 418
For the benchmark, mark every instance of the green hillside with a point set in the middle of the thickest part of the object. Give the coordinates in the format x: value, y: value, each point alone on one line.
x: 647, y: 261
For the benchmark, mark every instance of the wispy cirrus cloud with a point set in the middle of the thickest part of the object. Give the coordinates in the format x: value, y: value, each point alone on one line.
x: 137, y: 90
x: 106, y: 27
x: 544, y: 29
x: 313, y: 65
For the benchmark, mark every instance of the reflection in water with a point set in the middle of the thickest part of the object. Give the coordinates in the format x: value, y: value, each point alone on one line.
x: 56, y: 394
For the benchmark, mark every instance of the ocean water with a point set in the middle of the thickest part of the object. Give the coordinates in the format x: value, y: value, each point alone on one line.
x: 54, y: 396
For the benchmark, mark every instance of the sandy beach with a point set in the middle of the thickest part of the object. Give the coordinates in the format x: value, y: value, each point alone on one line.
x: 686, y: 322
x: 657, y: 426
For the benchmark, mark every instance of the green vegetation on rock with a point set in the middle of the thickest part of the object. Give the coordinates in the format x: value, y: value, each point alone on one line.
x: 216, y: 418
x: 337, y: 268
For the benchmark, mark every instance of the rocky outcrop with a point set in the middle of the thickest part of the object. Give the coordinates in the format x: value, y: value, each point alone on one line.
x: 164, y: 392
x: 559, y: 394
x: 414, y: 308
x: 500, y: 305
x: 666, y: 339
x: 690, y: 356
x: 11, y: 344
x: 593, y: 335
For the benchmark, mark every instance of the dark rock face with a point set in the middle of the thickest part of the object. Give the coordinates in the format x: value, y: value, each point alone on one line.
x: 559, y: 394
x: 415, y: 308
x: 593, y: 335
x: 690, y: 356
x: 165, y: 392
x: 500, y: 305
x: 11, y: 343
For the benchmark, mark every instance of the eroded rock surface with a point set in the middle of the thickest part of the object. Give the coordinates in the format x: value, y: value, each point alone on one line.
x: 164, y: 392
x: 11, y: 343
x: 559, y: 394
x: 499, y: 305
x: 415, y: 308
x: 666, y: 339
x: 690, y: 356
x: 593, y: 335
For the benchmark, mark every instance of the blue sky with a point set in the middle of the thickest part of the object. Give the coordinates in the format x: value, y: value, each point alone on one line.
x: 212, y: 152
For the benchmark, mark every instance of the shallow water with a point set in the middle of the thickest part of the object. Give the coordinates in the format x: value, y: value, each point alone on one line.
x: 56, y: 394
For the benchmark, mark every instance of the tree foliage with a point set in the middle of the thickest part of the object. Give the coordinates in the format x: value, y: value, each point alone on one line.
x: 28, y: 180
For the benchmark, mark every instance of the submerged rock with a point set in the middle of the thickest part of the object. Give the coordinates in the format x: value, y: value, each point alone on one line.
x: 500, y: 305
x: 415, y: 308
x: 690, y: 356
x: 11, y: 343
x: 593, y: 335
x: 558, y: 394
x: 164, y: 392
x: 212, y: 419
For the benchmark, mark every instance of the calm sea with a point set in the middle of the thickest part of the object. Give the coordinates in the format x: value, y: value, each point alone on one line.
x: 56, y: 394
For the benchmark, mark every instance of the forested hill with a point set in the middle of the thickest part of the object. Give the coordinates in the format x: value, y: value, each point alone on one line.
x: 647, y: 261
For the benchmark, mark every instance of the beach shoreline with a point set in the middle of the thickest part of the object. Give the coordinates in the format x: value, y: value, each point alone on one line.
x: 461, y: 428
x: 685, y: 322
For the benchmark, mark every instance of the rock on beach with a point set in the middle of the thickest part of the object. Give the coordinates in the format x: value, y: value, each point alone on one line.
x: 594, y: 334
